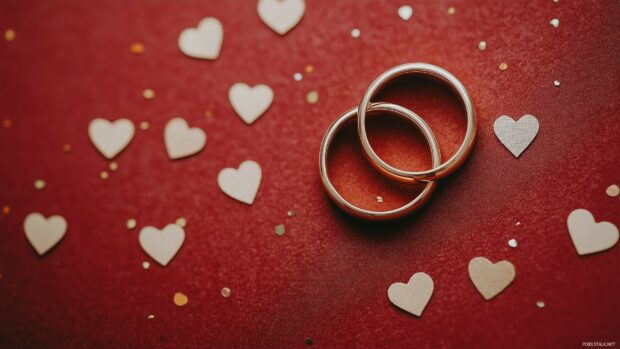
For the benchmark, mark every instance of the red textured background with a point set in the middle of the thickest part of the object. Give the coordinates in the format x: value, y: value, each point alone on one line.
x: 327, y: 277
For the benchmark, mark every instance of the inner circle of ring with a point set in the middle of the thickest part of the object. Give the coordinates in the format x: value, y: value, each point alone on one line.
x: 418, y: 201
x: 438, y: 170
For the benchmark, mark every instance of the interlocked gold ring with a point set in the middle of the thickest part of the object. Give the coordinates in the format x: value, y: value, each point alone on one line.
x: 438, y: 170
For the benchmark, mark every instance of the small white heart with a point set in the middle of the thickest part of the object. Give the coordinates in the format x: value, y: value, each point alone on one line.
x: 241, y: 184
x: 43, y: 234
x: 589, y: 236
x: 281, y: 15
x: 413, y: 296
x: 162, y: 245
x: 405, y: 12
x: 110, y: 138
x: 181, y: 140
x: 490, y: 279
x: 516, y: 135
x: 250, y: 102
x: 205, y: 41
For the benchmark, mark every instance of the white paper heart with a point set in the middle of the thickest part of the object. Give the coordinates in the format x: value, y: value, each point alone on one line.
x: 490, y: 279
x: 405, y: 12
x: 203, y: 42
x: 589, y: 236
x: 42, y: 233
x: 110, y: 138
x: 516, y: 135
x: 181, y: 140
x: 281, y: 15
x: 250, y: 102
x: 241, y: 184
x: 162, y: 245
x: 413, y: 296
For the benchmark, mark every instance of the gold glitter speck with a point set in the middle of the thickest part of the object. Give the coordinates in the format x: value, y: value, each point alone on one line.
x: 146, y: 265
x: 144, y: 125
x: 451, y: 10
x: 355, y: 33
x: 226, y: 292
x: 482, y: 45
x: 137, y: 48
x: 180, y: 299
x: 113, y: 166
x: 290, y: 213
x: 512, y: 243
x: 67, y: 147
x: 540, y: 304
x: 7, y: 123
x: 613, y: 190
x: 312, y: 97
x: 503, y: 66
x: 309, y: 69
x: 6, y: 209
x: 150, y: 317
x: 181, y: 222
x: 280, y: 230
x: 104, y: 175
x: 39, y: 184
x: 131, y: 223
x: 148, y: 94
x: 9, y: 35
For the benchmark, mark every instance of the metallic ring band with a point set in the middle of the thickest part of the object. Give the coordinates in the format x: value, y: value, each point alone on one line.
x: 438, y: 170
x: 378, y: 215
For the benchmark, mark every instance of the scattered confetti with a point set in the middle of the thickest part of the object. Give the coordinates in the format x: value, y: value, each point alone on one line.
x: 379, y: 199
x: 150, y: 317
x: 503, y: 66
x: 9, y: 35
x: 146, y: 265
x: 309, y: 69
x: 297, y: 76
x: 131, y: 223
x: 144, y: 125
x: 451, y: 10
x: 67, y: 148
x: 309, y: 341
x: 280, y: 230
x: 290, y: 213
x: 312, y: 97
x: 482, y: 45
x: 557, y: 83
x: 181, y: 222
x: 540, y: 304
x: 113, y: 166
x: 148, y: 94
x: 104, y: 175
x: 555, y: 22
x: 39, y: 184
x: 405, y: 12
x: 226, y: 292
x: 137, y: 48
x: 355, y: 33
x: 7, y: 123
x: 180, y: 299
x: 209, y: 114
x: 512, y: 243
x: 613, y: 190
x: 6, y: 209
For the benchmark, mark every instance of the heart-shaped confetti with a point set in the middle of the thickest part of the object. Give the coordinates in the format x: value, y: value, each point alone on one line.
x: 405, y: 12
x: 490, y: 279
x: 413, y: 296
x: 181, y: 140
x: 162, y: 245
x: 42, y: 233
x: 516, y: 135
x: 281, y: 15
x: 250, y: 102
x: 203, y: 42
x: 110, y: 138
x: 589, y: 236
x: 241, y: 184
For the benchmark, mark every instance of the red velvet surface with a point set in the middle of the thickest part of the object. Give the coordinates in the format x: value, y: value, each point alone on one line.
x: 327, y: 277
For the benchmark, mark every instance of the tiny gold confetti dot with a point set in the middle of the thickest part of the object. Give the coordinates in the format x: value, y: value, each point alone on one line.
x: 39, y: 184
x: 555, y: 23
x: 131, y: 223
x: 613, y: 190
x: 379, y: 199
x: 146, y: 265
x: 150, y: 317
x: 7, y: 123
x: 540, y: 304
x: 280, y: 230
x: 180, y: 299
x: 137, y: 48
x: 144, y: 125
x: 309, y: 68
x: 113, y: 166
x: 6, y: 209
x: 451, y: 10
x: 482, y: 45
x: 66, y: 147
x: 355, y: 33
x: 209, y: 114
x: 226, y: 292
x: 290, y: 213
x: 104, y: 175
x: 312, y: 97
x: 181, y: 222
x: 556, y: 83
x: 297, y: 76
x: 503, y: 66
x: 148, y: 94
x: 512, y: 243
x: 9, y: 35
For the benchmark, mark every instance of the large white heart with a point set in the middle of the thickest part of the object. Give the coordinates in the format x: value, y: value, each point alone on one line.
x: 163, y: 244
x: 42, y: 233
x: 589, y: 236
x: 250, y: 102
x: 110, y: 138
x: 241, y: 184
x: 181, y: 140
x: 490, y: 279
x: 516, y: 135
x: 205, y: 41
x: 281, y: 15
x: 413, y: 296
